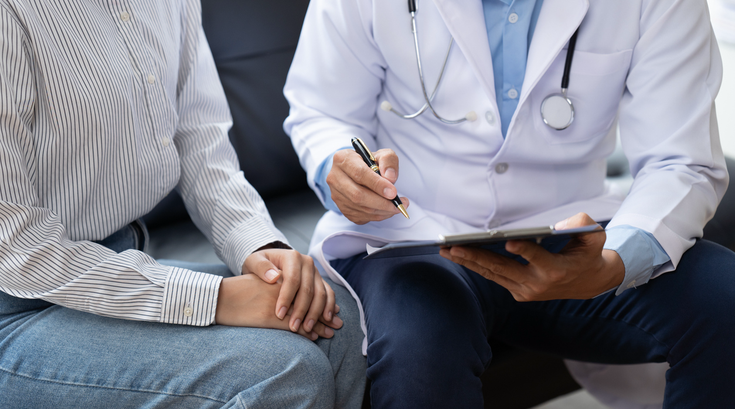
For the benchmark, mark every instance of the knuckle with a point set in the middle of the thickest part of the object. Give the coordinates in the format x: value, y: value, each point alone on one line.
x: 307, y: 291
x: 355, y: 196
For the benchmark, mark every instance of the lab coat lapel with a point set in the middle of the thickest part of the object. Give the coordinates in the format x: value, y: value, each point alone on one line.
x: 465, y: 21
x: 556, y: 24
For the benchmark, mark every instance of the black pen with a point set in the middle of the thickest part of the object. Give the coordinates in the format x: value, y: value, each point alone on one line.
x: 369, y: 159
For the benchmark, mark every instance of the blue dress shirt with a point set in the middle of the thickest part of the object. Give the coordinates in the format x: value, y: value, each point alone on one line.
x: 510, y: 27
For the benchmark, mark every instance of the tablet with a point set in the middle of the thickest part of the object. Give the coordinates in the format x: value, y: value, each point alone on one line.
x: 491, y: 239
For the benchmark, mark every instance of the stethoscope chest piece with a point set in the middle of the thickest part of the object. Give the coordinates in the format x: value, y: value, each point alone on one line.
x: 557, y: 111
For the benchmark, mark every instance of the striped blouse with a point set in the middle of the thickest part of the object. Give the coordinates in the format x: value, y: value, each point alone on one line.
x: 105, y: 107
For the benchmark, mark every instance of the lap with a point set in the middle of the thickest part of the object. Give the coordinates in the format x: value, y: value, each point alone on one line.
x: 88, y: 357
x: 646, y: 324
x: 85, y: 360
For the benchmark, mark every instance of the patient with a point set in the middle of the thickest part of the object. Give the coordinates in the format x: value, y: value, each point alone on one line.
x: 105, y: 109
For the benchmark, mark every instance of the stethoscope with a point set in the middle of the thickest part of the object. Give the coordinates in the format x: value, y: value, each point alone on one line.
x: 557, y: 110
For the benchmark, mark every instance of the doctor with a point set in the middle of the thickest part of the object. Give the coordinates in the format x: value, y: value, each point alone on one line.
x: 482, y: 155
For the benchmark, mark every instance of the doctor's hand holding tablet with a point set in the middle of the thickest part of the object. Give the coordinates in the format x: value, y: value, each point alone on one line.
x: 582, y: 270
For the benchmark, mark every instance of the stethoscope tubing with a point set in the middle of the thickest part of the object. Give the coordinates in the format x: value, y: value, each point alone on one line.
x: 412, y: 7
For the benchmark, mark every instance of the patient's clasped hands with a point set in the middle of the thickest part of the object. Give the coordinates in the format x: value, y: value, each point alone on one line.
x: 279, y: 289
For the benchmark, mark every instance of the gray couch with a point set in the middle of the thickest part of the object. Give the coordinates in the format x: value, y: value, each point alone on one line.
x: 253, y: 43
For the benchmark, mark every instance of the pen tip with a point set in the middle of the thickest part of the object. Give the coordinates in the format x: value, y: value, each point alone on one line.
x: 403, y: 210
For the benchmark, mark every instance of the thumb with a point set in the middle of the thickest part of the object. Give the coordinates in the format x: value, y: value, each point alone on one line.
x: 259, y: 264
x: 578, y: 220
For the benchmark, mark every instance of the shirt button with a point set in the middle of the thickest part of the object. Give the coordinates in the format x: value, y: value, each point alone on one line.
x: 489, y: 117
x: 165, y: 141
x: 512, y: 94
x: 501, y: 168
x: 632, y: 284
x: 188, y: 311
x: 125, y: 16
x: 151, y: 79
x: 513, y: 18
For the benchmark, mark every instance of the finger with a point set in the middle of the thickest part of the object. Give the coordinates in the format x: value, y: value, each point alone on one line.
x: 388, y: 164
x: 335, y: 322
x: 259, y: 264
x: 291, y: 272
x: 359, y: 214
x: 488, y: 262
x: 578, y: 220
x: 489, y: 274
x: 581, y: 220
x: 304, y: 296
x: 364, y: 200
x: 322, y: 330
x: 356, y: 169
x: 330, y: 304
x: 530, y: 251
x: 316, y: 309
x: 311, y: 335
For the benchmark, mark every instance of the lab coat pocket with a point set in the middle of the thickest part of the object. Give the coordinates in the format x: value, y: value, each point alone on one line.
x: 596, y: 84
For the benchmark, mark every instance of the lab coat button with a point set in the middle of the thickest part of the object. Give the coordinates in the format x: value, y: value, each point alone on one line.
x: 501, y: 168
x: 165, y: 141
x: 125, y: 16
x: 151, y: 79
x: 513, y: 18
x: 512, y: 94
x: 489, y: 117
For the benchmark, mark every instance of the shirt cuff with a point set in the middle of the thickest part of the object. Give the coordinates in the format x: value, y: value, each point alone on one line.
x: 190, y: 297
x: 640, y: 251
x: 246, y: 238
x: 320, y: 181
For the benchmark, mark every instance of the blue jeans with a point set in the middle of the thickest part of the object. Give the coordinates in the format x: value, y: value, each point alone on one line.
x: 55, y: 357
x: 429, y: 322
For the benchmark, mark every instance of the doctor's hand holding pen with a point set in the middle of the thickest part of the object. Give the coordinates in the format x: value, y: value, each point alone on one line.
x: 362, y: 194
x: 582, y: 270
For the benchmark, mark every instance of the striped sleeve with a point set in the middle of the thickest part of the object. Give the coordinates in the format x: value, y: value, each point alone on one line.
x: 225, y: 207
x: 38, y: 260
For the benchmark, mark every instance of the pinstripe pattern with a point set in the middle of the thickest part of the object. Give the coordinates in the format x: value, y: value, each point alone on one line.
x: 105, y: 106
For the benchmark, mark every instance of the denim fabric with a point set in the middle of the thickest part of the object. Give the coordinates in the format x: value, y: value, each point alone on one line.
x: 429, y: 322
x: 55, y: 357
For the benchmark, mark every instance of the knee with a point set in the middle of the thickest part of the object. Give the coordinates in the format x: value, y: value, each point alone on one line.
x: 710, y: 278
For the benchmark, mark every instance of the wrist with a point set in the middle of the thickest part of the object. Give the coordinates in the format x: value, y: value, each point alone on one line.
x: 613, y: 269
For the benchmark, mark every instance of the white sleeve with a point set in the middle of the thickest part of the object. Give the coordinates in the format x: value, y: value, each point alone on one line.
x: 668, y: 127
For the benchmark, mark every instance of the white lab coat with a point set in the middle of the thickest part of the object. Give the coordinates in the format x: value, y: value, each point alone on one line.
x: 650, y: 66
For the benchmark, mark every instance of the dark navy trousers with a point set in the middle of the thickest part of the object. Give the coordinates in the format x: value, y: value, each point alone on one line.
x: 429, y: 321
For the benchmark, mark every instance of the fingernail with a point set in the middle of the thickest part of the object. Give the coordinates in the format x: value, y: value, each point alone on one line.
x: 337, y: 321
x: 329, y: 315
x: 388, y: 192
x: 282, y: 312
x: 457, y: 252
x: 271, y: 274
x: 296, y: 324
x: 314, y: 336
x: 309, y: 325
x: 390, y: 173
x: 329, y: 332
